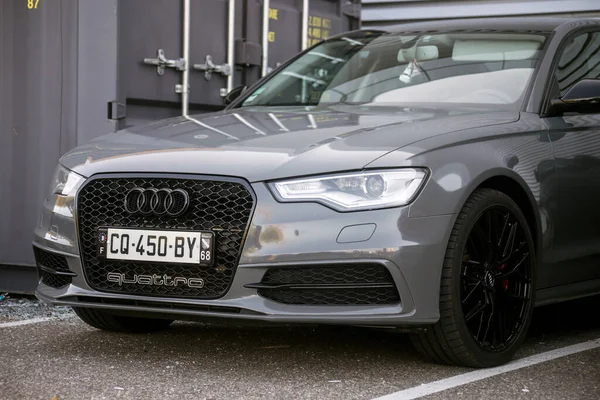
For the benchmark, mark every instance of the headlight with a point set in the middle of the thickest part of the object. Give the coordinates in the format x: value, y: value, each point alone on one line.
x: 63, y: 188
x: 354, y: 191
x: 64, y: 181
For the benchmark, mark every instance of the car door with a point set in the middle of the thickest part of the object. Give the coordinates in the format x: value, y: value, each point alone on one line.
x: 575, y: 137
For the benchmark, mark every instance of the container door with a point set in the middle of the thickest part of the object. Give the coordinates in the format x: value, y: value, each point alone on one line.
x: 285, y: 31
x: 145, y: 28
x: 151, y: 57
x: 325, y: 18
x: 151, y: 48
x: 208, y: 53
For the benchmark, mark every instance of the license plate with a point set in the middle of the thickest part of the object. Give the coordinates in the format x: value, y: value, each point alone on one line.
x: 180, y: 247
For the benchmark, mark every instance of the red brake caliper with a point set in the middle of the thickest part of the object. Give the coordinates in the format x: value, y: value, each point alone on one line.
x: 504, y: 282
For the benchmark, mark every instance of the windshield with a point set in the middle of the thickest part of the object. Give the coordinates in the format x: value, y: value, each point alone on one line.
x: 475, y: 69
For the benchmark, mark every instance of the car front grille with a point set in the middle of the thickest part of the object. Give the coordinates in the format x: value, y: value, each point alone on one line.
x: 345, y: 284
x: 53, y: 269
x: 222, y: 206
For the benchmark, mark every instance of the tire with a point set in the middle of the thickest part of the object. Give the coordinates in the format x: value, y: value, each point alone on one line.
x: 106, y: 321
x: 502, y: 286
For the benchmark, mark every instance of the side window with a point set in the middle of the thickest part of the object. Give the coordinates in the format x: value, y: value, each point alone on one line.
x: 580, y: 59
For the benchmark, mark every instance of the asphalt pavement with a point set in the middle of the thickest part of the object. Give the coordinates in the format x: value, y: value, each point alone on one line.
x: 59, y: 357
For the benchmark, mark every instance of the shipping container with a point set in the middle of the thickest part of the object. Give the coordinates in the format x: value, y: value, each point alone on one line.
x: 217, y: 61
x: 71, y: 70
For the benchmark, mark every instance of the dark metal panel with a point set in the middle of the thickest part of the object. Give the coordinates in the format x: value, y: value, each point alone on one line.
x: 18, y: 279
x: 69, y: 74
x: 147, y: 25
x: 96, y: 68
x: 7, y: 135
x: 208, y: 36
x: 381, y: 13
x: 38, y: 107
x: 285, y: 30
x: 248, y: 30
x: 144, y: 27
x: 326, y: 18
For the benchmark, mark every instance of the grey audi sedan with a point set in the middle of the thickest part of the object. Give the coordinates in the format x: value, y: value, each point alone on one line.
x: 441, y: 178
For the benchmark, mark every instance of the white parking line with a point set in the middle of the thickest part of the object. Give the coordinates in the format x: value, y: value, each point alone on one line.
x: 24, y: 322
x: 474, y: 376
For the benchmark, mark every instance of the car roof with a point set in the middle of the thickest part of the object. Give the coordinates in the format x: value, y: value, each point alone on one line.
x: 537, y: 24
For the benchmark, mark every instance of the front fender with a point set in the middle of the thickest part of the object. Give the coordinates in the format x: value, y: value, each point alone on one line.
x: 459, y: 166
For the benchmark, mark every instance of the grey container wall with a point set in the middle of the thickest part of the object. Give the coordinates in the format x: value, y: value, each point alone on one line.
x: 72, y: 70
x: 38, y: 113
x: 143, y: 30
x: 383, y: 13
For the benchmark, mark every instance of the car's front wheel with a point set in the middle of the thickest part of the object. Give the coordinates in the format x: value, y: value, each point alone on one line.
x: 487, y: 285
x: 106, y: 321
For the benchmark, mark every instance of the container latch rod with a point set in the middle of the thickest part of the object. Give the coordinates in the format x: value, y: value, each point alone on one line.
x: 162, y: 62
x: 209, y: 67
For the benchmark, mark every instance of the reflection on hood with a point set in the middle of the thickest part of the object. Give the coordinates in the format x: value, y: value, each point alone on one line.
x: 241, y: 142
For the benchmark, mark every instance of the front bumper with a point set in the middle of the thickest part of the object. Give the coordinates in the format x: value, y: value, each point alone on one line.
x: 294, y: 235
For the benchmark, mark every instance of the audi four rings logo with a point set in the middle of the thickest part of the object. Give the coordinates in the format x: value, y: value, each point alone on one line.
x: 172, y: 202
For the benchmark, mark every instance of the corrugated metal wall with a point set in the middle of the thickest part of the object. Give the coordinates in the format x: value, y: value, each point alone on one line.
x: 382, y: 13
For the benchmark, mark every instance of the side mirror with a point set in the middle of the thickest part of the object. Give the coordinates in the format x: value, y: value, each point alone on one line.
x: 583, y: 97
x: 234, y: 94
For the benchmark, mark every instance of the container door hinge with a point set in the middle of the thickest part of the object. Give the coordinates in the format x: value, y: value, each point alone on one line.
x: 116, y: 110
x: 351, y: 10
x: 162, y: 62
x: 209, y: 67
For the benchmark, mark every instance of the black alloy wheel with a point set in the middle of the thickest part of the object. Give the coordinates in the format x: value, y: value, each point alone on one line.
x: 496, y: 285
x: 487, y: 285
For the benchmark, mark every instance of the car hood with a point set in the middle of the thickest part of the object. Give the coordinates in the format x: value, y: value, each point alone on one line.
x: 261, y: 144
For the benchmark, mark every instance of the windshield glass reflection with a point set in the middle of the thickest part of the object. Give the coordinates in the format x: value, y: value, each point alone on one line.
x: 473, y: 69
